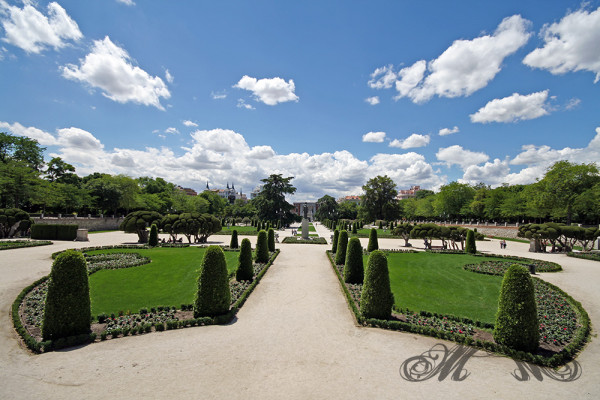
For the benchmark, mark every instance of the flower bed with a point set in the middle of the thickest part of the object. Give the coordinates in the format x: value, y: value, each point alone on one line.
x: 500, y: 267
x: 17, y: 244
x: 299, y: 240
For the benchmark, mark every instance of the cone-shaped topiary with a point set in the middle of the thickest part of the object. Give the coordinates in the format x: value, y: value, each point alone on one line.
x: 373, y: 243
x: 354, y: 228
x: 470, y: 246
x: 262, y: 248
x: 516, y: 320
x: 340, y: 254
x: 245, y: 270
x: 67, y: 310
x: 380, y: 224
x: 336, y: 236
x: 153, y: 239
x: 353, y: 268
x: 213, y: 295
x: 376, y: 299
x: 271, y: 239
x: 233, y: 244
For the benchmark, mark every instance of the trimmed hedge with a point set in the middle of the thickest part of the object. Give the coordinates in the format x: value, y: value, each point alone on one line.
x: 213, y: 297
x: 334, y: 243
x: 373, y: 243
x: 262, y: 247
x: 54, y: 232
x: 67, y: 310
x: 17, y: 244
x: 233, y: 243
x: 340, y: 254
x: 245, y: 269
x: 353, y: 268
x: 271, y: 239
x: 517, y: 323
x: 377, y: 299
x: 585, y: 256
x: 470, y: 246
x: 153, y: 240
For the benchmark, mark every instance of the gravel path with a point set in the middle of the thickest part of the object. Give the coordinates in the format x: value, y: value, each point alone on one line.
x: 294, y: 338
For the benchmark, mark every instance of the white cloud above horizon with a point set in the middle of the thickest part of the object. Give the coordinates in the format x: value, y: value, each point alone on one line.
x: 414, y: 140
x: 513, y: 108
x: 270, y: 91
x: 32, y: 31
x: 372, y: 100
x: 448, y: 131
x: 570, y: 45
x: 456, y: 155
x: 190, y: 124
x: 126, y: 2
x: 110, y: 68
x: 373, y: 137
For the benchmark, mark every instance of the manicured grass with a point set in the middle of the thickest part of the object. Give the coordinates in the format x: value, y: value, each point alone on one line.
x: 367, y: 232
x: 311, y: 228
x: 169, y: 280
x: 242, y: 230
x: 438, y: 283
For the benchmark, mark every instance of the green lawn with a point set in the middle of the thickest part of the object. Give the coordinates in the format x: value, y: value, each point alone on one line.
x: 311, y: 228
x: 438, y: 283
x: 169, y: 280
x: 240, y: 230
x: 367, y: 232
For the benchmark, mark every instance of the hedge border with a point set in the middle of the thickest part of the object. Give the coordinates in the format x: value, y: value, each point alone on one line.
x: 295, y: 240
x: 45, y: 346
x: 585, y: 256
x: 557, y: 267
x: 561, y: 358
x: 19, y: 244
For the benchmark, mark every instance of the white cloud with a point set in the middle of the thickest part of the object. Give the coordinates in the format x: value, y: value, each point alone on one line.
x: 242, y: 104
x: 373, y: 137
x: 218, y: 95
x: 172, y: 130
x: 43, y: 138
x: 448, y: 131
x: 459, y: 156
x: 572, y: 44
x: 573, y: 103
x: 170, y: 78
x: 270, y: 91
x: 383, y: 78
x: 126, y: 2
x: 110, y: 68
x: 372, y: 100
x: 190, y: 124
x: 414, y: 140
x: 463, y: 68
x: 261, y: 152
x: 33, y: 32
x: 78, y: 139
x: 513, y: 108
x: 493, y: 174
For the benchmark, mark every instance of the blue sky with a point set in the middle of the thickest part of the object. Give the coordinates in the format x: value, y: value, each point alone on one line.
x: 330, y: 92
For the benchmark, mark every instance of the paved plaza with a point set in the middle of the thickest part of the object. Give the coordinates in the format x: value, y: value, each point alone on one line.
x: 295, y: 338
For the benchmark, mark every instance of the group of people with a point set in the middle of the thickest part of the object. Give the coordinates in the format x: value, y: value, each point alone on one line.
x: 503, y: 244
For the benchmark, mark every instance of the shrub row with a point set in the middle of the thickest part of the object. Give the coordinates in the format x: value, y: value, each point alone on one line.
x: 54, y: 232
x: 586, y: 256
x: 17, y: 244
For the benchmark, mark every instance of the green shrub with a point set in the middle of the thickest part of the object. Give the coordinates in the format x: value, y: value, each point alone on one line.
x: 13, y: 220
x: 54, y: 232
x: 373, y: 244
x: 271, y: 239
x: 234, y: 240
x: 470, y: 246
x: 340, y: 254
x: 262, y: 248
x: 336, y: 236
x: 376, y: 297
x: 516, y: 320
x: 213, y: 297
x: 353, y: 268
x: 355, y: 228
x: 137, y: 221
x: 67, y: 311
x: 153, y: 240
x: 245, y: 270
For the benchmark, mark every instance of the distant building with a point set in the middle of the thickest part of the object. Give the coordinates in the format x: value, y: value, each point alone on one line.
x: 312, y: 208
x: 407, y: 194
x: 352, y: 199
x: 229, y: 193
x: 188, y: 191
x: 256, y: 192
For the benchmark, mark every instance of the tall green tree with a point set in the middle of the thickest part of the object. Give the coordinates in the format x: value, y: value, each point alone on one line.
x: 271, y: 203
x: 453, y: 200
x: 326, y: 208
x: 379, y: 199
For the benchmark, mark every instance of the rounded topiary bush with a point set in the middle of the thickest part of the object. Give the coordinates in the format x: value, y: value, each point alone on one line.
x: 262, y: 248
x: 213, y: 297
x: 67, y: 310
x: 376, y: 298
x: 470, y: 246
x: 153, y: 239
x: 353, y: 268
x: 234, y: 240
x: 334, y: 243
x: 271, y: 239
x: 245, y: 270
x: 517, y: 323
x: 340, y: 254
x: 373, y: 243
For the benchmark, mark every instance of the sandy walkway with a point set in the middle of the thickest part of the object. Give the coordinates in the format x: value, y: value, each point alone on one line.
x: 294, y: 338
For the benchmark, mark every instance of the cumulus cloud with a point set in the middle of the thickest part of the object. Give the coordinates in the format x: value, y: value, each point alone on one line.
x: 33, y: 31
x: 190, y: 124
x: 448, y: 131
x: 414, y: 140
x: 373, y: 137
x: 513, y: 108
x: 109, y: 68
x: 172, y: 130
x: 269, y: 91
x: 463, y: 68
x: 459, y: 156
x: 570, y: 45
x: 44, y: 138
x: 372, y: 100
x: 492, y: 173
